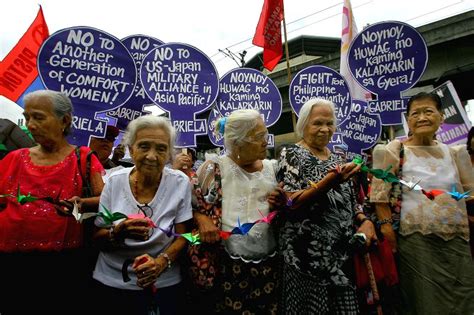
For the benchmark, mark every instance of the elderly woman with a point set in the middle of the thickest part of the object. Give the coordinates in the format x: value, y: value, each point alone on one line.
x: 156, y: 201
x: 436, y: 270
x: 236, y: 187
x: 318, y: 226
x: 39, y: 243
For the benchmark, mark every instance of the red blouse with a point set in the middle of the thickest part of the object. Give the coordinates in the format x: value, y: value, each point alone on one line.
x: 36, y: 225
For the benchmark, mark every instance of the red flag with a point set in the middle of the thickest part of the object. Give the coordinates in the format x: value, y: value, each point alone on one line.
x: 18, y: 69
x: 268, y: 33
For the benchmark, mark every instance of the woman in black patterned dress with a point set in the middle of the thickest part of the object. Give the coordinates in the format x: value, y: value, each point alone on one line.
x: 317, y: 227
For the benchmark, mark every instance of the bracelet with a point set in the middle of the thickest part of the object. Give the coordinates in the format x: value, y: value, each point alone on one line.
x: 385, y: 221
x: 168, y: 259
x: 112, y: 235
x: 313, y: 185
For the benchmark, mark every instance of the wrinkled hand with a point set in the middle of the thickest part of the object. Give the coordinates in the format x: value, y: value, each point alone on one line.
x: 66, y: 206
x: 182, y: 161
x: 119, y: 152
x: 148, y: 269
x: 390, y: 236
x: 208, y: 232
x: 368, y: 229
x: 137, y: 229
x: 277, y: 198
x: 348, y: 170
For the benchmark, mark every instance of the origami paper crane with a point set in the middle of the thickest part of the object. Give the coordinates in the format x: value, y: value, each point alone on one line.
x: 22, y: 199
x: 242, y: 229
x: 81, y: 216
x: 225, y: 234
x: 108, y: 217
x: 141, y: 215
x: 385, y: 175
x: 431, y: 194
x: 359, y: 161
x: 169, y: 231
x: 457, y: 195
x: 193, y: 239
x: 268, y: 218
x: 411, y: 185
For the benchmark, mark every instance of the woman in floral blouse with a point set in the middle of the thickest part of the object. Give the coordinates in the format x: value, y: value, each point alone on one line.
x: 317, y: 228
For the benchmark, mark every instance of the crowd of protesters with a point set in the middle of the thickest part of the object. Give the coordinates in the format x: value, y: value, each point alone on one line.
x: 242, y: 234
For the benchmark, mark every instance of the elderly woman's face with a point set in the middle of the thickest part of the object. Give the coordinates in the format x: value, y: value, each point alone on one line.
x: 320, y: 127
x: 424, y: 118
x: 151, y: 150
x: 255, y: 147
x: 41, y: 120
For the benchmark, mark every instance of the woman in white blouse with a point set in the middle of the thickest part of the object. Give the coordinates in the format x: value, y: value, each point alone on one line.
x: 248, y: 260
x: 154, y: 198
x: 435, y: 266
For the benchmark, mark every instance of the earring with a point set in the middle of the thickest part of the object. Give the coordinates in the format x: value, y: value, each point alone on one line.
x: 238, y: 156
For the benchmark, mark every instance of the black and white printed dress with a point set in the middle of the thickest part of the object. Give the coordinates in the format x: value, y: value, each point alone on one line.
x: 314, y: 241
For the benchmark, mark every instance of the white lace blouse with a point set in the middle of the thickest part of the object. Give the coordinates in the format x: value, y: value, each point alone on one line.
x: 439, y: 167
x: 244, y: 198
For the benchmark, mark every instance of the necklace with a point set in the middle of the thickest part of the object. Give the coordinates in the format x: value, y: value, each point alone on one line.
x: 135, y: 187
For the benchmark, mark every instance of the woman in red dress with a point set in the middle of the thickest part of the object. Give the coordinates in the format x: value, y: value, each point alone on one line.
x: 41, y: 253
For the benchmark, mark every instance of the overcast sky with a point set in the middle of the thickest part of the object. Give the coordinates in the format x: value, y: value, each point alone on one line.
x: 211, y: 25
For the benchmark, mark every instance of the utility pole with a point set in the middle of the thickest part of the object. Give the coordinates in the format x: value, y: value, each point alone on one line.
x: 238, y: 59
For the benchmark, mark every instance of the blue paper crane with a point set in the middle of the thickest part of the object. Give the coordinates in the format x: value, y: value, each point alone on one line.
x: 457, y: 195
x: 242, y: 229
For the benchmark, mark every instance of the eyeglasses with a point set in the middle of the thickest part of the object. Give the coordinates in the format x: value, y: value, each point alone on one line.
x: 261, y: 137
x: 146, y: 210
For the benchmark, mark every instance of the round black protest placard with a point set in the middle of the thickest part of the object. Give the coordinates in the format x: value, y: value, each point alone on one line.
x: 182, y: 80
x: 93, y: 68
x: 320, y: 82
x: 245, y: 88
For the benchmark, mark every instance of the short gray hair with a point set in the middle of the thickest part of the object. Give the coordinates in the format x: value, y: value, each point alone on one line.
x: 305, y: 111
x: 236, y: 126
x: 150, y: 121
x: 62, y: 104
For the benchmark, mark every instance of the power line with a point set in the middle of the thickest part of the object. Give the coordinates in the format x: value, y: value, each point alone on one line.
x: 233, y: 56
x: 297, y: 20
x: 331, y: 16
x: 434, y: 11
